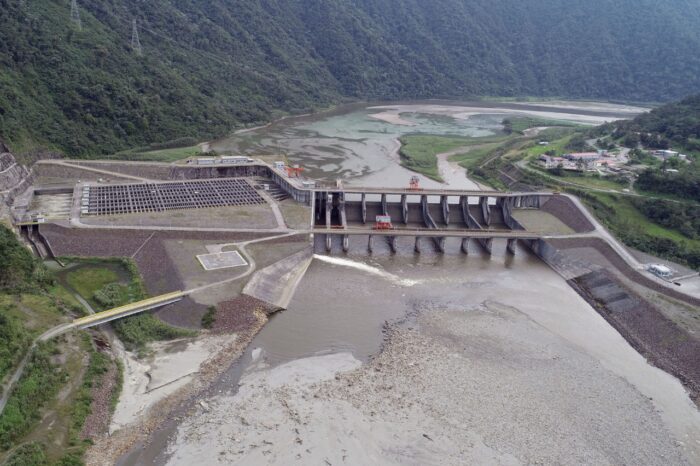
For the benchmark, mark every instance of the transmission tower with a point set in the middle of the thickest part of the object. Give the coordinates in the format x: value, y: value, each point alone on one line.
x: 75, y: 14
x: 135, y: 42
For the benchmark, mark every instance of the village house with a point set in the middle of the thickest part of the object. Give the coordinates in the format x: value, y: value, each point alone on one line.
x: 549, y: 162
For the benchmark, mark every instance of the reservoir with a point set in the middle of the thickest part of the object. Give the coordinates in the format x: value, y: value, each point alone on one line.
x: 359, y: 143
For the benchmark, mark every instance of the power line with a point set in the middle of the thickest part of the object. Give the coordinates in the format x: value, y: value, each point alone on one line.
x: 137, y: 47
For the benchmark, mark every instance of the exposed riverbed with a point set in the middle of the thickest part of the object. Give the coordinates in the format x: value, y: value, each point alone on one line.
x: 427, y: 359
x: 359, y: 143
x: 499, y: 361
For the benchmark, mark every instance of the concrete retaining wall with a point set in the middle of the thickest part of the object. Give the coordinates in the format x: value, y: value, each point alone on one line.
x: 565, y: 210
x: 277, y: 283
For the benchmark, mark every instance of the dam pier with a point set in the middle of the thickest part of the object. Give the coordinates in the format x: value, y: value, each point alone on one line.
x: 437, y: 214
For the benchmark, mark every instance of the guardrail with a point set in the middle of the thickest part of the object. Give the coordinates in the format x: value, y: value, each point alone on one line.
x: 429, y: 191
x: 428, y: 232
x: 128, y: 309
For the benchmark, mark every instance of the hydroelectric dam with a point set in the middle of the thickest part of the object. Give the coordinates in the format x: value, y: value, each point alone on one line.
x: 423, y: 213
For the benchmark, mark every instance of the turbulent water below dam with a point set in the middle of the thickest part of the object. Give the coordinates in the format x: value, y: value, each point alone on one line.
x: 404, y: 358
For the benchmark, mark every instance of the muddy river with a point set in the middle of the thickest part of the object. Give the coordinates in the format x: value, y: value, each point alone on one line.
x: 359, y: 142
x: 340, y: 312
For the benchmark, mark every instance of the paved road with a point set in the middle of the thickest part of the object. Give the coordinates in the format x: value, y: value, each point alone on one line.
x: 75, y: 221
x: 430, y: 192
x: 49, y: 334
x: 274, y: 205
x: 94, y: 170
x: 601, y: 232
x: 524, y: 165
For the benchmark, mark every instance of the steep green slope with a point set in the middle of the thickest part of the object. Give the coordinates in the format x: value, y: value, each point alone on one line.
x: 672, y: 125
x: 210, y: 66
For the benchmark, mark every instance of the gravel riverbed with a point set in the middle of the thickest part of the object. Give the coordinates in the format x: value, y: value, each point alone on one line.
x: 483, y: 384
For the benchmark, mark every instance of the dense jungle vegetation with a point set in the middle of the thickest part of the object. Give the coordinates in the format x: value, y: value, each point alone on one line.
x: 211, y: 66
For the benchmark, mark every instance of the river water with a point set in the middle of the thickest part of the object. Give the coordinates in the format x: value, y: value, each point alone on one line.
x: 344, y: 300
x: 359, y: 143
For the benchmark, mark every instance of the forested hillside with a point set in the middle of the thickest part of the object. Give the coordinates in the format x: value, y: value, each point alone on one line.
x: 210, y: 66
x: 673, y: 125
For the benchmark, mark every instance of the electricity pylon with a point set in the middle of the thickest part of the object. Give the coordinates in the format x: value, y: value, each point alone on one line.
x: 75, y: 14
x: 135, y: 42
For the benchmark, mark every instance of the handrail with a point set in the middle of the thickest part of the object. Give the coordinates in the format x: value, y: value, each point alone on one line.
x: 430, y: 191
x: 128, y: 307
x: 423, y: 229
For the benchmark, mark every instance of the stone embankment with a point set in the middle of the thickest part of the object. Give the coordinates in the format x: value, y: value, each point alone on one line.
x: 561, y: 245
x: 644, y: 326
x: 597, y: 272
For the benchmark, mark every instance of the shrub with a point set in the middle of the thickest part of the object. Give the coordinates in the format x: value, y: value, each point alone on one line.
x: 29, y: 454
x: 209, y: 317
x: 110, y: 295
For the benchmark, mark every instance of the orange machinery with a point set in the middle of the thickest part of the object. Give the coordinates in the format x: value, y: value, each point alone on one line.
x: 414, y: 184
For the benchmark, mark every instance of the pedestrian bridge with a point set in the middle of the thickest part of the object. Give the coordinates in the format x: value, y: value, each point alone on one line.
x: 127, y: 310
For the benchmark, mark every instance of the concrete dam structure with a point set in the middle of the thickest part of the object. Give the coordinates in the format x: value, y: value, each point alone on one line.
x: 339, y: 212
x: 437, y: 214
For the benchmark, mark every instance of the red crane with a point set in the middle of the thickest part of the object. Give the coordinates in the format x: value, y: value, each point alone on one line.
x: 295, y: 171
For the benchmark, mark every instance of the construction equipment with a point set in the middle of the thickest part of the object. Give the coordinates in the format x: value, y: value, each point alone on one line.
x: 383, y: 222
x: 414, y: 184
x: 295, y: 171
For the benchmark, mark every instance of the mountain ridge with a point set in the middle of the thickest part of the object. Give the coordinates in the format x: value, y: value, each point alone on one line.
x: 208, y: 68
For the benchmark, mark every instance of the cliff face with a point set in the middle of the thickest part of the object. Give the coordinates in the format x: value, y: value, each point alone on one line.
x: 11, y: 173
x: 13, y: 179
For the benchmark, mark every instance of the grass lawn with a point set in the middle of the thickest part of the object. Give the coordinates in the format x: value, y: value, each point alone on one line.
x: 171, y: 155
x: 520, y: 124
x: 89, y: 279
x: 67, y: 300
x: 557, y: 146
x: 596, y: 182
x: 473, y: 157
